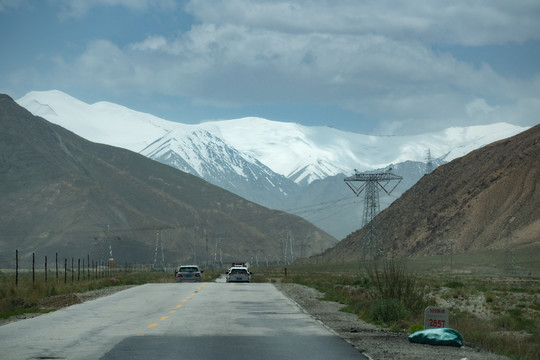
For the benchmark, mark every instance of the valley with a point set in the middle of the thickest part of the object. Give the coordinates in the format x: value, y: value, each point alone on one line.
x: 282, y: 166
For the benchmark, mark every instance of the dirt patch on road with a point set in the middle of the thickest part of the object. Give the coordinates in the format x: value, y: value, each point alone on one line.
x: 60, y: 301
x: 373, y: 341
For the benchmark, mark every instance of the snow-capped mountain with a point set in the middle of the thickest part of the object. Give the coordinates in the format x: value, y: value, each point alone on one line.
x: 298, y: 152
x: 199, y: 152
x: 305, y: 154
x: 101, y: 122
x: 189, y: 148
x: 286, y: 166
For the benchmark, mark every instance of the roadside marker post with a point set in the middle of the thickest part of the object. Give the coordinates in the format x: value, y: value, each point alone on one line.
x: 436, y: 317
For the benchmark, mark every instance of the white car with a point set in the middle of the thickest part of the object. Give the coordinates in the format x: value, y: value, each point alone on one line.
x: 238, y: 274
x: 188, y: 273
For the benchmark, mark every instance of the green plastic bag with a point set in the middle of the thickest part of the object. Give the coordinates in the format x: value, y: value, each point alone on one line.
x: 440, y: 336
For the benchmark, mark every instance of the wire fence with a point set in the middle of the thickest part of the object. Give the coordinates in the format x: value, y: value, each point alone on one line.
x: 64, y: 269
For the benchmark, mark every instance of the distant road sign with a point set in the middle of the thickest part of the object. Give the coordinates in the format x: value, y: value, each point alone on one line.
x: 436, y: 317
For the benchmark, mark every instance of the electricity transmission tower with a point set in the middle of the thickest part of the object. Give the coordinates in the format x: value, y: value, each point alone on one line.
x: 509, y: 263
x: 159, y: 264
x: 287, y: 248
x: 429, y: 162
x: 218, y: 253
x: 372, y: 183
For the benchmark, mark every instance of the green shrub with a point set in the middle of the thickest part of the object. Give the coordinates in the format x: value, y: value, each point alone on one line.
x: 388, y: 310
x: 51, y: 291
x: 361, y: 281
x: 416, y: 327
x: 394, y: 283
x: 454, y: 285
x: 515, y: 321
x: 459, y: 293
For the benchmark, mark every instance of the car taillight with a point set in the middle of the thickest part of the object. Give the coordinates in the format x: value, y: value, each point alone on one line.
x: 179, y: 275
x: 197, y: 275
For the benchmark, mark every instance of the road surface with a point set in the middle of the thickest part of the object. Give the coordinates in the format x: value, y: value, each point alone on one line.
x: 178, y: 321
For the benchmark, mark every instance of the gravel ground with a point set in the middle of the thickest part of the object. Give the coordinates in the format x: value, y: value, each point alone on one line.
x: 373, y: 341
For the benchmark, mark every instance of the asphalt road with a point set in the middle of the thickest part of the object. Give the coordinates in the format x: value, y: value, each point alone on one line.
x: 178, y: 321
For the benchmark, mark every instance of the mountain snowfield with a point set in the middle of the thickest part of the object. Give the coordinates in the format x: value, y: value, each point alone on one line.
x: 295, y: 151
x: 276, y: 164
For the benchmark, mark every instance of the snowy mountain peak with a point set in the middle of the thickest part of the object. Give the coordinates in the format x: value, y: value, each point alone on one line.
x: 202, y: 153
x: 300, y: 153
x: 268, y: 162
x: 102, y: 122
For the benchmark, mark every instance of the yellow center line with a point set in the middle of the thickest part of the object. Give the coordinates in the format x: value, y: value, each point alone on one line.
x: 172, y: 311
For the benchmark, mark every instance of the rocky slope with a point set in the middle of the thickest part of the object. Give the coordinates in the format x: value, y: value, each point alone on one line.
x: 486, y: 199
x: 60, y: 193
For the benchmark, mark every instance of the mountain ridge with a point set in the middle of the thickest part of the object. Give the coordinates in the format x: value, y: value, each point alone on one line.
x: 488, y: 199
x: 269, y: 141
x: 277, y: 165
x: 62, y: 193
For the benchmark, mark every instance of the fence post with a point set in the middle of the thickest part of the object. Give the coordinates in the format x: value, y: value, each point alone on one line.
x: 65, y: 270
x: 45, y: 268
x: 88, y: 262
x: 16, y: 267
x: 56, y: 267
x: 72, y: 272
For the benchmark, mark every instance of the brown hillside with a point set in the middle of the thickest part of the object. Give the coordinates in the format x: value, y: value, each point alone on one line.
x: 61, y: 193
x: 475, y: 202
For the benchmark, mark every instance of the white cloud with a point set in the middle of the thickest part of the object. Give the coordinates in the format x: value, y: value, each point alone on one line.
x: 372, y: 57
x: 455, y: 22
x: 523, y: 112
x: 79, y: 8
x: 8, y: 5
x: 478, y: 107
x: 234, y: 64
x: 342, y: 65
x: 152, y: 43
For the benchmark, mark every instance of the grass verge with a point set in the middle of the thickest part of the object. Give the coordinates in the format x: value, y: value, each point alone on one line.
x: 500, y: 313
x: 28, y: 296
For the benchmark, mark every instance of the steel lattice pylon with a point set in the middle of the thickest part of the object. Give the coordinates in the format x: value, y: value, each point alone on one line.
x: 371, y: 183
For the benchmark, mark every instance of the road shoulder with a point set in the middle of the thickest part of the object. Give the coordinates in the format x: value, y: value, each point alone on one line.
x: 374, y: 341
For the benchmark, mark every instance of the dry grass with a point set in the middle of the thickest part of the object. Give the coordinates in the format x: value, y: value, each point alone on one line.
x: 28, y: 296
x: 498, y: 312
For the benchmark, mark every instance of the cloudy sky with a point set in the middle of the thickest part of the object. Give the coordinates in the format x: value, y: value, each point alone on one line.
x: 374, y: 66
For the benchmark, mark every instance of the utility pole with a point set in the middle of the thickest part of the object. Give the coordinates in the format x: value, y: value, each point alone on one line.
x: 372, y: 183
